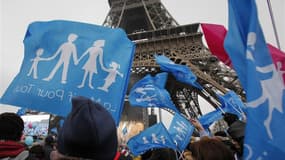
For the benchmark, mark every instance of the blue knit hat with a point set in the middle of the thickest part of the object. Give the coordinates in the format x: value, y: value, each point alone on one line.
x: 89, y: 131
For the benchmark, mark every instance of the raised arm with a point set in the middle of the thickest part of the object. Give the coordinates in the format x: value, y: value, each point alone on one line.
x: 199, y: 127
x: 119, y: 73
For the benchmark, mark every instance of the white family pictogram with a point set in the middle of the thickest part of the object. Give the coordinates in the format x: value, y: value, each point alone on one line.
x: 34, y: 68
x: 145, y: 95
x: 68, y: 49
x: 65, y: 50
x: 90, y: 66
x: 154, y: 139
x: 272, y: 93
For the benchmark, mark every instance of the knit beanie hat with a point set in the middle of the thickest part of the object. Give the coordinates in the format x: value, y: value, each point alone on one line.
x: 11, y: 126
x: 89, y: 131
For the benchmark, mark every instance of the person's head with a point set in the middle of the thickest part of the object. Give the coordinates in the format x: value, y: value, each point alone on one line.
x: 230, y: 118
x: 114, y: 65
x: 237, y: 129
x: 39, y: 52
x: 50, y: 140
x: 72, y: 37
x: 36, y: 152
x: 209, y: 148
x: 99, y: 43
x: 89, y: 132
x: 221, y: 133
x: 11, y: 127
x: 236, y: 132
x: 163, y: 154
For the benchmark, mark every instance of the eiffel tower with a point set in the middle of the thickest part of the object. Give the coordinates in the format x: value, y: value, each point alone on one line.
x: 155, y: 31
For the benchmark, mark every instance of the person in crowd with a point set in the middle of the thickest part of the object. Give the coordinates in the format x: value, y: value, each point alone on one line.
x: 163, y: 154
x: 208, y: 149
x: 228, y: 141
x: 36, y: 152
x: 146, y: 155
x: 11, y: 130
x: 88, y: 132
x: 49, y: 146
x: 230, y: 118
x: 236, y: 131
x: 124, y: 153
x: 199, y: 127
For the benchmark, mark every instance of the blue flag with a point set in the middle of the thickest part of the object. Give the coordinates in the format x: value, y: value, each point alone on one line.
x: 63, y: 59
x: 150, y: 92
x: 155, y: 136
x: 245, y: 44
x: 181, y: 73
x: 21, y: 111
x: 124, y: 131
x: 211, y: 117
x: 232, y: 103
x: 180, y: 131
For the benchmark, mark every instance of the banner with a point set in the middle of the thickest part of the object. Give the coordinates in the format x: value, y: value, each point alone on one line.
x: 230, y: 102
x: 180, y: 131
x: 181, y: 73
x: 150, y: 92
x: 263, y: 84
x: 63, y: 59
x: 208, y: 119
x: 155, y: 136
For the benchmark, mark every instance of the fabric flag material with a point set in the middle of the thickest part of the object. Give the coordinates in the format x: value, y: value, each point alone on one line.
x: 180, y: 131
x: 246, y: 46
x: 278, y: 58
x: 63, y: 59
x: 230, y: 102
x: 150, y: 92
x: 208, y: 119
x: 215, y: 35
x: 181, y: 73
x: 155, y: 136
x: 21, y: 111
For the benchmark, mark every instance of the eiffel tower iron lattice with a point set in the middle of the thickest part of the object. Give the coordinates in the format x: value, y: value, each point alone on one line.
x: 155, y: 31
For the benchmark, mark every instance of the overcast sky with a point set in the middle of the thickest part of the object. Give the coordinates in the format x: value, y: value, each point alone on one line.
x: 16, y: 15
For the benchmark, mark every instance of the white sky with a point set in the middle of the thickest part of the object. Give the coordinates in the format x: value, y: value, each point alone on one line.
x: 16, y: 15
x: 35, y: 118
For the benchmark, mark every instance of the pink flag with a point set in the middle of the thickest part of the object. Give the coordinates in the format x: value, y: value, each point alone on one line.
x: 278, y: 58
x: 215, y: 36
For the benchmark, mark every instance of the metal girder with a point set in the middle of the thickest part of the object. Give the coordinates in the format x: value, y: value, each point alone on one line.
x: 155, y: 31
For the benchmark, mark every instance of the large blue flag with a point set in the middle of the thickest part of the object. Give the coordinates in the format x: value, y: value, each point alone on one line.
x: 208, y: 119
x: 263, y: 85
x: 155, y: 136
x: 65, y: 59
x: 150, y: 92
x: 180, y: 131
x: 181, y: 73
x: 230, y: 102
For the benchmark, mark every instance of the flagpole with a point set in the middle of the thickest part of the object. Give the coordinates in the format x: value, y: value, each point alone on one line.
x: 273, y: 24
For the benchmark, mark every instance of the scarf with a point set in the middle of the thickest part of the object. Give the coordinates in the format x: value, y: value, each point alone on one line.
x: 10, y: 148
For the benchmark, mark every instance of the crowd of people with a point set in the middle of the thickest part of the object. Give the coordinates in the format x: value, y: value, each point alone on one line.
x: 89, y: 132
